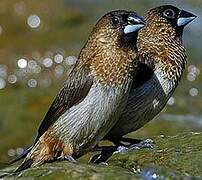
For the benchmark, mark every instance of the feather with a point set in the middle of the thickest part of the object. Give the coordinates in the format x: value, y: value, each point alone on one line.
x: 21, y: 156
x: 26, y: 164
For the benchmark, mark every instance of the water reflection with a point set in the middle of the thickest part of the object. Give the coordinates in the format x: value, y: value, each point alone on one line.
x: 194, y: 120
x: 3, y: 71
x: 14, y: 152
x: 149, y: 174
x: 36, y: 69
x: 2, y: 83
x: 22, y: 63
x: 59, y: 70
x: 19, y: 8
x: 33, y: 21
x: 12, y: 78
x: 32, y: 83
x: 1, y: 30
x: 193, y: 92
x: 193, y: 72
x: 70, y: 60
x: 47, y: 62
x: 58, y: 58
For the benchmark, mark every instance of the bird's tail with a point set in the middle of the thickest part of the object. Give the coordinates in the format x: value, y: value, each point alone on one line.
x: 41, y: 152
x: 26, y: 164
x: 35, y: 156
x: 21, y: 156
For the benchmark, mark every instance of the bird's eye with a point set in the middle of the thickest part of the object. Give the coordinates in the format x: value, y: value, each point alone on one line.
x: 115, y: 20
x: 169, y: 13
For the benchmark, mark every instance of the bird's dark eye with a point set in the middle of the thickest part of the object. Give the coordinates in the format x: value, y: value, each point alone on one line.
x: 115, y: 20
x: 169, y: 13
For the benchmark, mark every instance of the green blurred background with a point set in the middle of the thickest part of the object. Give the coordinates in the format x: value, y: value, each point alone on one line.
x: 38, y: 44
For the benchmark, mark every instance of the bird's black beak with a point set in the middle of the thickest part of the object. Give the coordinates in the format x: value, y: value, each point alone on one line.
x: 134, y: 23
x: 185, y: 18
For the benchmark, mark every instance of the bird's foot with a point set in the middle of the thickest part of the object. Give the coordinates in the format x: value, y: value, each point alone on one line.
x: 100, y: 159
x: 147, y: 143
x: 108, y: 151
x: 68, y: 158
x: 104, y: 155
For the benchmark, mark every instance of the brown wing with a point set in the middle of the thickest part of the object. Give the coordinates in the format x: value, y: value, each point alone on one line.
x: 73, y: 91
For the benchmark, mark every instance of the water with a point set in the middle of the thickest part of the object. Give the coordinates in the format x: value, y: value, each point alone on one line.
x: 39, y: 44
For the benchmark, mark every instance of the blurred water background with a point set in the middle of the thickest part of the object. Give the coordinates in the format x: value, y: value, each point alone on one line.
x: 39, y: 43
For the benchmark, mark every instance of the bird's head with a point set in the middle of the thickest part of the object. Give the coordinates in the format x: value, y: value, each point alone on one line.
x: 161, y: 39
x: 170, y: 16
x: 116, y: 26
x: 111, y: 50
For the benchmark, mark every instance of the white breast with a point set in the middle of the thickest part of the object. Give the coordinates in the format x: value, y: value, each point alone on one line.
x: 88, y: 122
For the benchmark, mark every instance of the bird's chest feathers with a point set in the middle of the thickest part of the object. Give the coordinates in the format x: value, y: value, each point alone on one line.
x: 165, y: 84
x: 92, y: 117
x: 113, y: 67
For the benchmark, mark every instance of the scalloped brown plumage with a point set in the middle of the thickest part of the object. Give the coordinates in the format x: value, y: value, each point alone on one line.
x: 162, y: 55
x: 93, y: 96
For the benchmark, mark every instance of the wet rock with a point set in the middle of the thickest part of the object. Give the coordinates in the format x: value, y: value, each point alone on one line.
x: 177, y: 156
x: 66, y: 170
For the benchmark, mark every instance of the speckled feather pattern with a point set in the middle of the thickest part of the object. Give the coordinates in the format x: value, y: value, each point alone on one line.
x: 112, y: 64
x: 160, y: 47
x: 91, y: 100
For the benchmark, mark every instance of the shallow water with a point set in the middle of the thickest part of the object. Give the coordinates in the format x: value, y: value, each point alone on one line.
x: 38, y: 45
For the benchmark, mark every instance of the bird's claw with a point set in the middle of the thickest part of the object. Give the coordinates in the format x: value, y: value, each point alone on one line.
x: 147, y: 143
x: 106, y: 153
x: 121, y: 150
x: 70, y: 159
x: 102, y: 157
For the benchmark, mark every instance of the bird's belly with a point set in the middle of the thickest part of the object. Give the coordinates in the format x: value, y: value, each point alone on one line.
x: 88, y: 122
x: 144, y: 103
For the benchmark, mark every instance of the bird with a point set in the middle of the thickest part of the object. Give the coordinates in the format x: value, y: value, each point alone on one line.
x: 162, y: 59
x: 94, y: 94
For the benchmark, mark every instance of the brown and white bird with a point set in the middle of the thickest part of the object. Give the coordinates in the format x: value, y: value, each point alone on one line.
x: 163, y: 61
x: 94, y: 95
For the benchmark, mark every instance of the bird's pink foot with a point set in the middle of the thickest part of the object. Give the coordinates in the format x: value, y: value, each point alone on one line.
x: 147, y: 143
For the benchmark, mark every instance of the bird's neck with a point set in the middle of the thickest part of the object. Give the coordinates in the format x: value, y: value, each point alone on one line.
x: 165, y: 55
